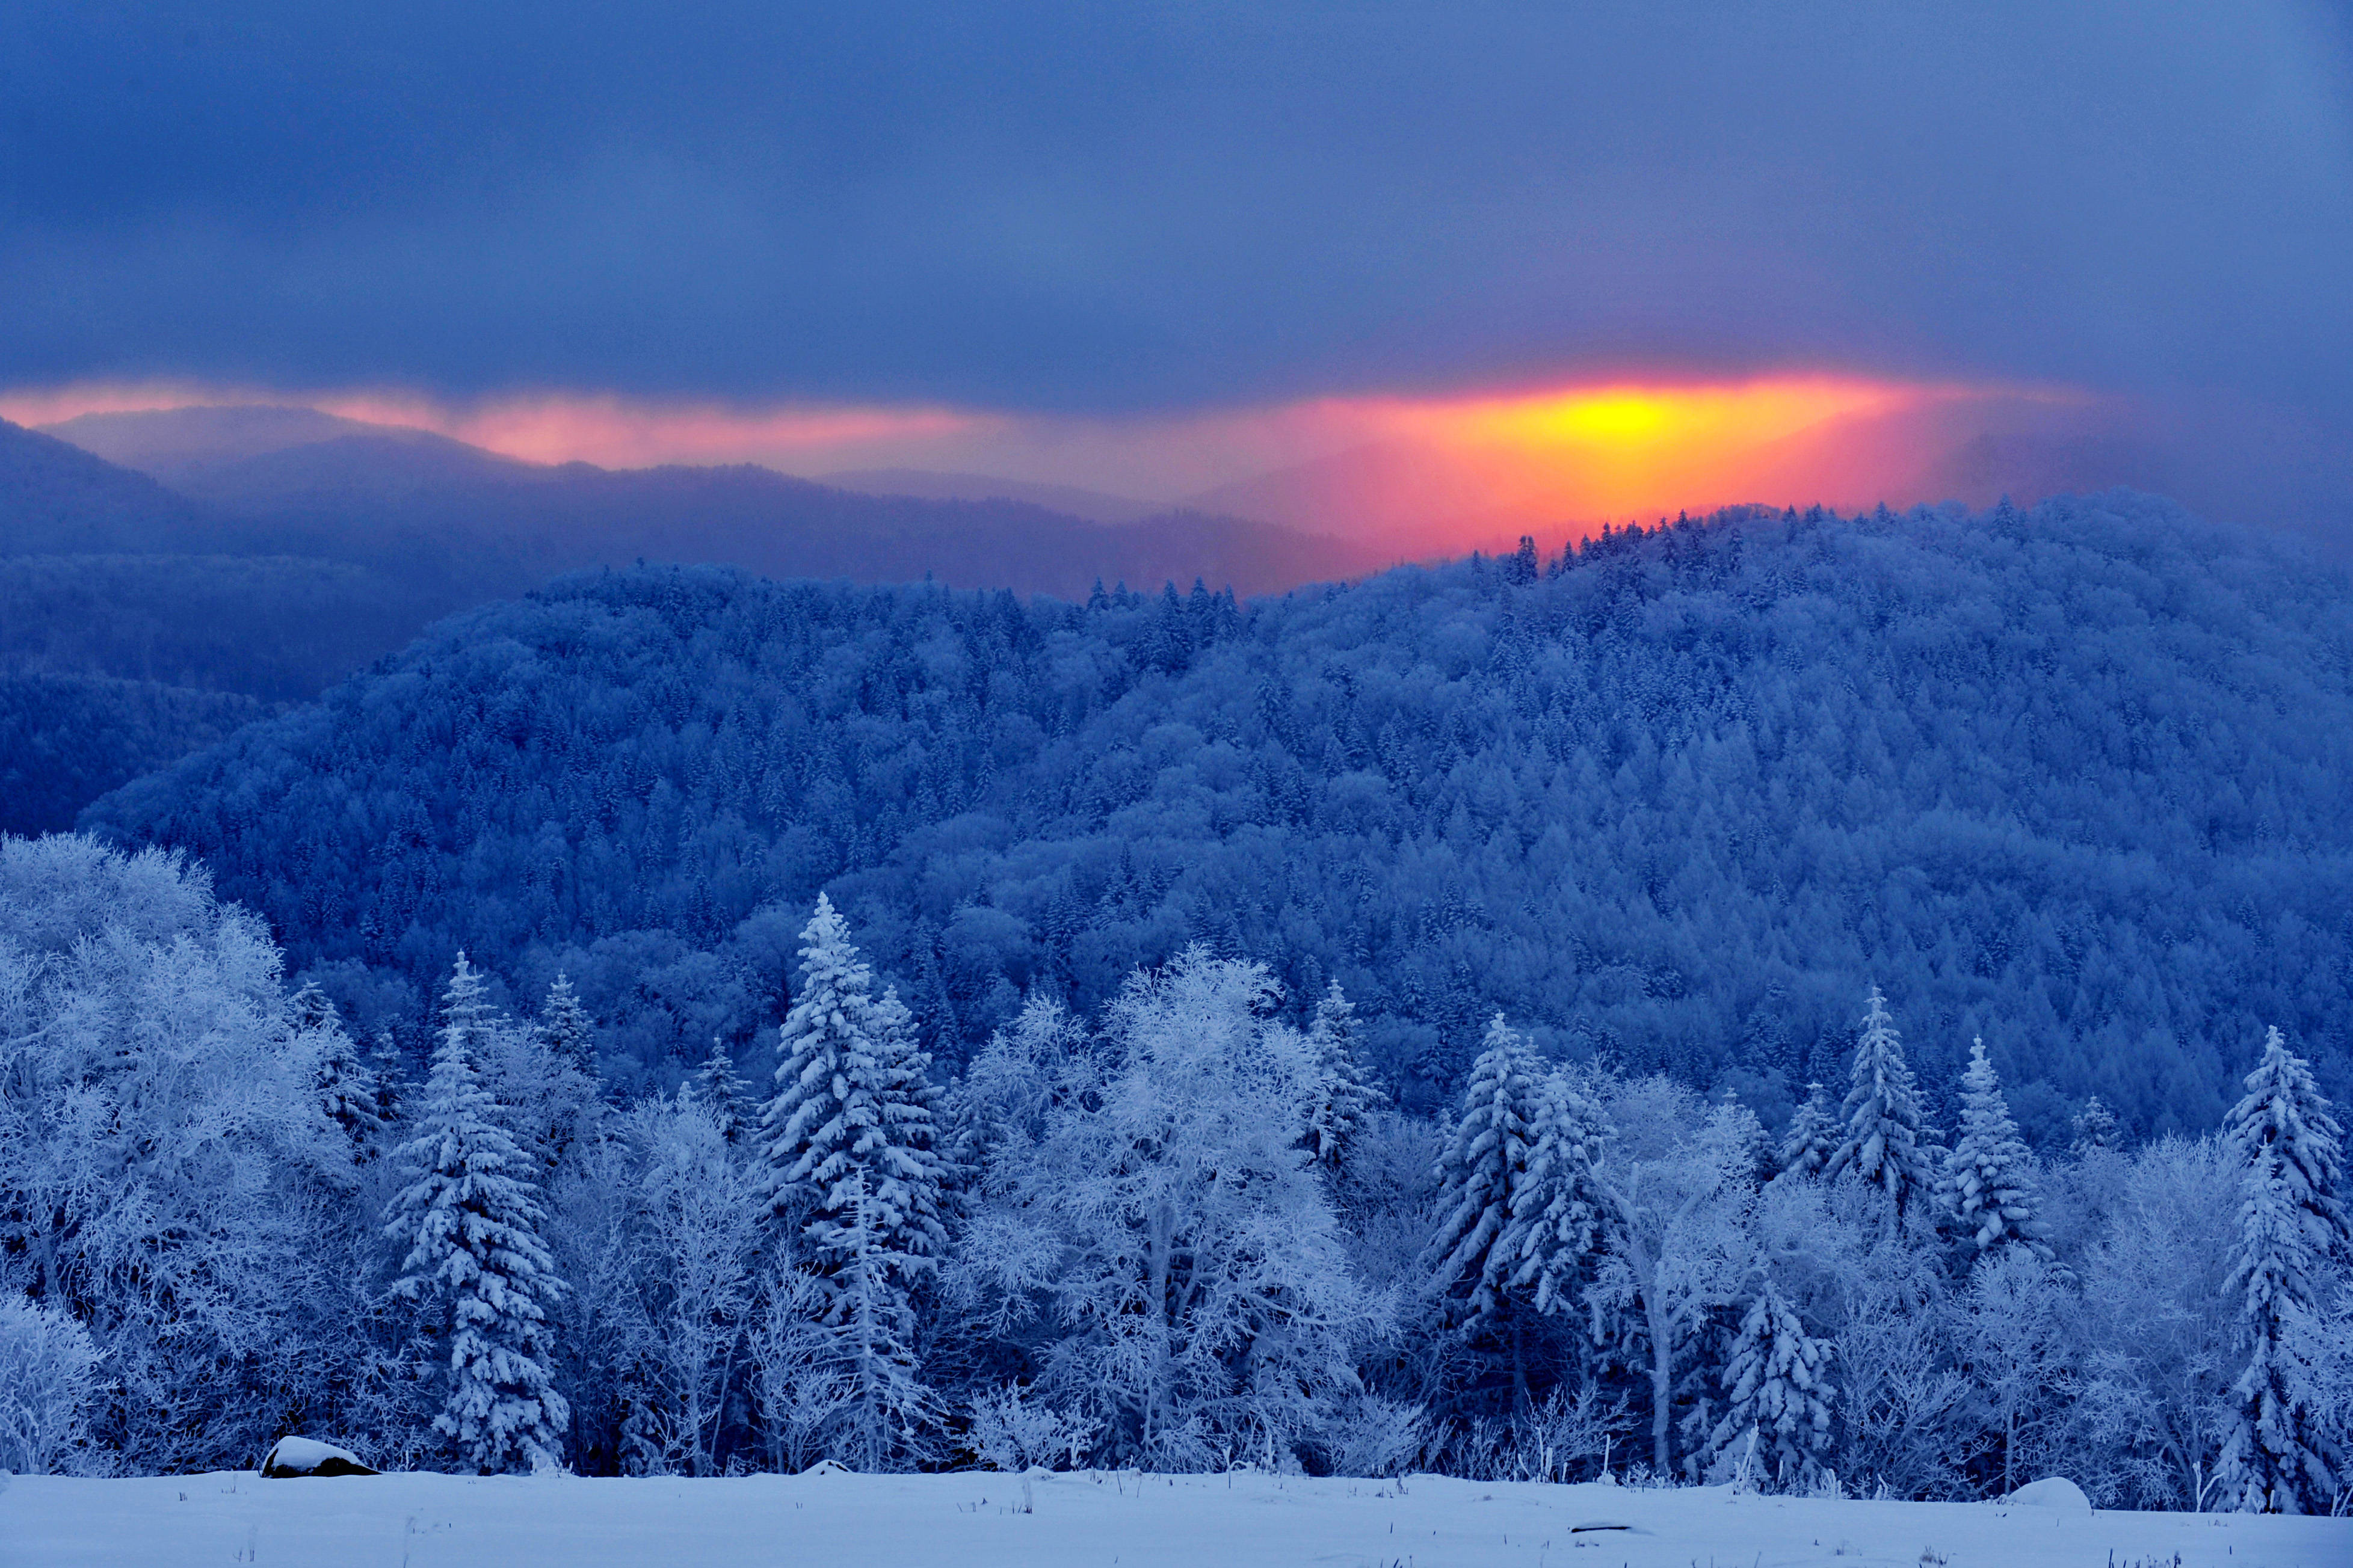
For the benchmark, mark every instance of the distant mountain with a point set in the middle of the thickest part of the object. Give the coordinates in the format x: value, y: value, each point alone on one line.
x: 172, y: 443
x: 926, y: 484
x: 55, y: 499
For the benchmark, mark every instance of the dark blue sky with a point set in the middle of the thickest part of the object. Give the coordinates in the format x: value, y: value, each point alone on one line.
x: 1112, y: 206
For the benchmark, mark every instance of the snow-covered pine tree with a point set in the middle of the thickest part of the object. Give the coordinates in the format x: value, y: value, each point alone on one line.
x: 348, y: 1090
x: 2095, y: 1128
x: 1556, y: 1210
x: 723, y: 1095
x: 2277, y: 1457
x: 475, y: 1261
x: 565, y: 1024
x: 1775, y: 1384
x: 1483, y: 1166
x: 1885, y: 1141
x: 1989, y: 1176
x: 1813, y: 1136
x: 848, y: 1142
x: 1765, y: 1162
x: 1345, y: 1090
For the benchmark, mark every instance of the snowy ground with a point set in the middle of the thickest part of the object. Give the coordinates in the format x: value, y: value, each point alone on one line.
x: 974, y: 1520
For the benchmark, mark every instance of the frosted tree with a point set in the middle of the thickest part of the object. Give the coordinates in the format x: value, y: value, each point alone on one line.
x: 564, y: 1025
x: 723, y: 1095
x: 1885, y: 1140
x: 1556, y: 1207
x: 1777, y: 1386
x: 348, y: 1090
x: 475, y: 1263
x: 2095, y: 1128
x: 1344, y: 1090
x: 1813, y: 1136
x: 2278, y: 1458
x: 849, y: 1155
x: 1485, y: 1162
x: 1989, y: 1176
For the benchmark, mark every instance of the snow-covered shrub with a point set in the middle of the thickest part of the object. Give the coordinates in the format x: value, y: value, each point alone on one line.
x: 48, y: 1375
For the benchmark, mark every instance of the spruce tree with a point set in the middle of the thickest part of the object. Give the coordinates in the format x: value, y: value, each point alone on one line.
x: 1885, y: 1141
x: 1557, y: 1209
x: 720, y: 1092
x: 848, y: 1142
x: 1485, y: 1162
x: 1345, y: 1090
x: 475, y: 1261
x: 2095, y: 1128
x: 2277, y: 1458
x: 1989, y: 1176
x: 1775, y: 1384
x: 348, y: 1091
x: 565, y: 1024
x: 1813, y: 1136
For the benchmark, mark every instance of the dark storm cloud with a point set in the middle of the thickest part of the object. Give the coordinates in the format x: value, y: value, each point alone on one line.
x: 1097, y: 206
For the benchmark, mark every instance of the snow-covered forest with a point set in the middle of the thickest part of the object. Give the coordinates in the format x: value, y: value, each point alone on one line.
x: 1185, y: 1230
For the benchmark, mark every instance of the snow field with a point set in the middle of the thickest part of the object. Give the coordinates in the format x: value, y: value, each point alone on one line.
x: 975, y: 1520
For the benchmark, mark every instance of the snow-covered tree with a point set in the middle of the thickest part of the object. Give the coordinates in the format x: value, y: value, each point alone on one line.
x: 2278, y: 1458
x: 348, y: 1090
x: 1776, y: 1384
x: 1989, y: 1176
x: 475, y: 1262
x: 1556, y: 1208
x: 1885, y: 1139
x: 1483, y: 1165
x: 1344, y: 1090
x: 2017, y: 1337
x: 1675, y: 1185
x: 48, y: 1380
x: 565, y: 1026
x: 850, y: 1153
x: 2095, y: 1128
x: 723, y: 1095
x: 1812, y: 1138
x: 1169, y: 1223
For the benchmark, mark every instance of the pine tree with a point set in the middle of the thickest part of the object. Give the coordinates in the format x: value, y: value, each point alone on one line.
x: 1774, y: 1384
x: 1813, y: 1136
x: 472, y: 1223
x: 720, y: 1092
x: 2277, y: 1458
x: 1345, y: 1090
x: 1886, y: 1142
x: 1556, y: 1210
x: 2095, y: 1128
x: 565, y: 1024
x: 848, y: 1146
x: 1988, y: 1178
x: 1483, y: 1165
x: 348, y: 1090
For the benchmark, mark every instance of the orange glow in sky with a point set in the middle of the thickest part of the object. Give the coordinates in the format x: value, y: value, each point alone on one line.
x: 1428, y: 473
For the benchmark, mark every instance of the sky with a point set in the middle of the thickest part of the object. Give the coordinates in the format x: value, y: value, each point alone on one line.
x: 1166, y: 250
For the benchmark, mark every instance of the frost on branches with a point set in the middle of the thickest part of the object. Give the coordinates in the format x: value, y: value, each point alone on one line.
x: 475, y: 1263
x: 1888, y: 1142
x: 1988, y: 1178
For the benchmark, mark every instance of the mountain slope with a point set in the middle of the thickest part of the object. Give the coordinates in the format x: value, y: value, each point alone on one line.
x: 2079, y: 780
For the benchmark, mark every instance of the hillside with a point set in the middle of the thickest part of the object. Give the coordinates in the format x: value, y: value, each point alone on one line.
x: 2079, y: 780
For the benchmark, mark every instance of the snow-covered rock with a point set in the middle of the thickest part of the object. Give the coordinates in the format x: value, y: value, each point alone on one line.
x: 2052, y: 1491
x: 309, y: 1456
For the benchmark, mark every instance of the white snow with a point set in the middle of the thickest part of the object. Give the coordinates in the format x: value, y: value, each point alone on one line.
x: 2050, y: 1492
x: 303, y: 1455
x: 975, y: 1519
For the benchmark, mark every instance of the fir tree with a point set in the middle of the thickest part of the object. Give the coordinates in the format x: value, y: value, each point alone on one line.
x: 1813, y: 1136
x: 1345, y: 1090
x: 2278, y: 1458
x: 564, y: 1023
x: 1988, y: 1178
x: 1886, y: 1142
x: 1555, y: 1209
x: 720, y: 1092
x: 2095, y: 1128
x: 1483, y: 1165
x: 348, y: 1090
x: 1774, y: 1384
x: 472, y: 1223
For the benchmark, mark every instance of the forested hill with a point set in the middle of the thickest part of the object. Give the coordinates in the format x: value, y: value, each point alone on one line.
x: 2078, y: 780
